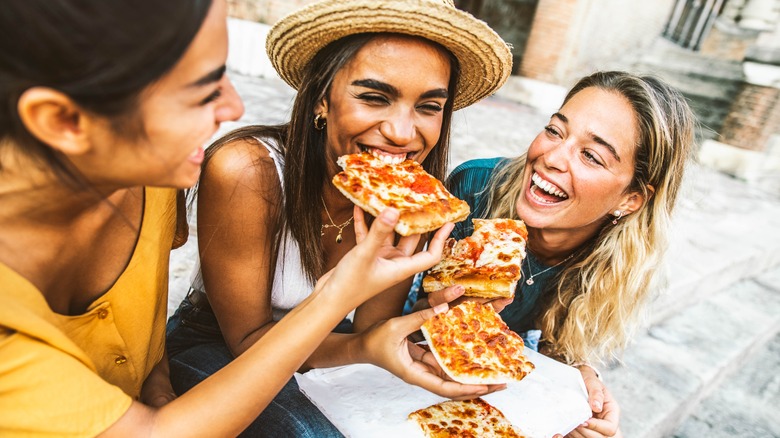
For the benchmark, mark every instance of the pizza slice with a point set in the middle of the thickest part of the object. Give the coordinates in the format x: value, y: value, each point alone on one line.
x: 464, y: 419
x: 473, y: 345
x: 486, y: 264
x: 422, y: 201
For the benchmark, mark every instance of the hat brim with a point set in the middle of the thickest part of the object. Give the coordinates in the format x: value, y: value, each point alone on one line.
x: 485, y: 59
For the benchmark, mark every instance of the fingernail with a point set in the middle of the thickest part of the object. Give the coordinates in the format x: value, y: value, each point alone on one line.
x: 390, y: 215
x: 597, y: 404
x: 441, y: 308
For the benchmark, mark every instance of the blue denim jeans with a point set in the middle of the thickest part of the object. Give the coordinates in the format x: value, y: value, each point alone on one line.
x: 196, y: 350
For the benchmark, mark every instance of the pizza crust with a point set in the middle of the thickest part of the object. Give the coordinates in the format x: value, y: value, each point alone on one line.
x: 474, y: 286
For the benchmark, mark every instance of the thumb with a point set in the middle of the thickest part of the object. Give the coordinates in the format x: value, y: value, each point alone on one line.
x: 412, y: 322
x: 380, y: 230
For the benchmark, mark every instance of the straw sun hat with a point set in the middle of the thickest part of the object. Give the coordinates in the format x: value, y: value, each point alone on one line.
x: 485, y: 59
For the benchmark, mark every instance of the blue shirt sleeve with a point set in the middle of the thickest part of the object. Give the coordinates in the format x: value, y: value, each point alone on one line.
x: 470, y: 182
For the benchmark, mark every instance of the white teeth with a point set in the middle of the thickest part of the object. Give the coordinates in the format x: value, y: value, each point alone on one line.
x: 547, y: 186
x: 387, y: 158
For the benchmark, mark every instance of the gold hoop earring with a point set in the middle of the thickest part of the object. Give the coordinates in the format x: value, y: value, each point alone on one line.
x: 320, y: 122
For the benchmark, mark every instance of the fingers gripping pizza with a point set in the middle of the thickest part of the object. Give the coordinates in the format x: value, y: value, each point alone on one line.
x: 473, y: 345
x: 486, y: 264
x: 464, y: 419
x: 422, y: 201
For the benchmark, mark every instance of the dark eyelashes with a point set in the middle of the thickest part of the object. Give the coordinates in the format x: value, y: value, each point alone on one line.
x: 375, y: 98
x: 432, y: 108
x: 372, y: 98
x: 592, y: 158
x: 211, y: 97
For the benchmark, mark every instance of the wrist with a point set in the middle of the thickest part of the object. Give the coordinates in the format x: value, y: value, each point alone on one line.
x: 580, y: 365
x: 355, y: 349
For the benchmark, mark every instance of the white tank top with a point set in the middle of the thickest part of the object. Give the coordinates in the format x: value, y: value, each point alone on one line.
x: 290, y: 286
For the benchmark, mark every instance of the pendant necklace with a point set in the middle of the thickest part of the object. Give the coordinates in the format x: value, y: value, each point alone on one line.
x: 332, y: 224
x: 530, y: 280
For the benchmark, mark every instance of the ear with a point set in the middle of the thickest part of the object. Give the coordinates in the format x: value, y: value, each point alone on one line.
x: 631, y: 203
x: 321, y: 107
x: 53, y: 118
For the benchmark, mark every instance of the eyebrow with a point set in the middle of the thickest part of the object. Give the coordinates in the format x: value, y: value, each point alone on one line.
x: 594, y: 137
x: 391, y: 90
x: 211, y: 77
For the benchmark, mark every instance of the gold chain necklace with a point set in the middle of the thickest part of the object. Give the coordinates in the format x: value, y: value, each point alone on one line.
x: 530, y: 280
x: 332, y: 224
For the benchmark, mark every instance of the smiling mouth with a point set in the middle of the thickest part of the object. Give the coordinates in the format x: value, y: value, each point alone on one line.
x: 546, y: 192
x: 385, y: 156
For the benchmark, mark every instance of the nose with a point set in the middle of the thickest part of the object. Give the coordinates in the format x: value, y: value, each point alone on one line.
x: 557, y: 156
x: 231, y: 107
x: 399, y: 128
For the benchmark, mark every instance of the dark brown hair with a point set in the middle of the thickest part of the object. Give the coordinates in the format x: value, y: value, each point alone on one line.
x: 100, y: 53
x: 304, y: 147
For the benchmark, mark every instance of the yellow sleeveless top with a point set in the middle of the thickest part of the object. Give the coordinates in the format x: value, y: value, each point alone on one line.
x: 76, y: 375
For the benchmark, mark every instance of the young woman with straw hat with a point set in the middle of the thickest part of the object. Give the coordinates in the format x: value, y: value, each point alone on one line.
x: 382, y: 77
x: 105, y: 111
x: 596, y: 189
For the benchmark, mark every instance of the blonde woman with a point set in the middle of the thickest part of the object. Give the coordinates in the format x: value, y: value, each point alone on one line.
x: 596, y: 189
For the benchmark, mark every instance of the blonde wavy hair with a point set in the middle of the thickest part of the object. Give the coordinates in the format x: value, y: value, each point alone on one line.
x: 601, y: 292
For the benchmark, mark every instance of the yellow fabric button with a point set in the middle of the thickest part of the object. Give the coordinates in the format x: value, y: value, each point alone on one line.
x: 102, y: 313
x: 120, y: 360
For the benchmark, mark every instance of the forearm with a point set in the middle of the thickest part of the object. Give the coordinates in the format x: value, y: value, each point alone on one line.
x: 225, y: 403
x: 336, y: 350
x: 238, y: 347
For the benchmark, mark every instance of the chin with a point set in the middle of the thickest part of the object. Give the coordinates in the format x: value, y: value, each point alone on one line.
x: 181, y: 182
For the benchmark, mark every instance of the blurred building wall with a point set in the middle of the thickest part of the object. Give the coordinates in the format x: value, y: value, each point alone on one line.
x: 703, y: 47
x: 264, y: 11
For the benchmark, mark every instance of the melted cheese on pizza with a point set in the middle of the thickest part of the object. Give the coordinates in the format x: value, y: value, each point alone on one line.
x: 495, y: 249
x: 420, y: 198
x: 404, y: 186
x: 473, y: 345
x: 464, y: 419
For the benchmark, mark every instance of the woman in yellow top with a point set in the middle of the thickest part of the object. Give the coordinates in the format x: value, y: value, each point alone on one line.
x: 102, y: 103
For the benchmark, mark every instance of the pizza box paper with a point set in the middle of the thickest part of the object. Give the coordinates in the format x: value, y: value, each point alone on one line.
x: 367, y: 401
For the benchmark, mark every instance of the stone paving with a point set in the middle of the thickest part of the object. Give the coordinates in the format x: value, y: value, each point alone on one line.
x: 707, y: 364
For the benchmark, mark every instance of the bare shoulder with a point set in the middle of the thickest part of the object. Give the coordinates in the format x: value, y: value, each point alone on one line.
x: 245, y: 162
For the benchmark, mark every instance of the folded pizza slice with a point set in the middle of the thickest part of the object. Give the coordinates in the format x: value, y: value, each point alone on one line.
x: 423, y: 202
x: 464, y: 419
x: 486, y: 264
x: 473, y: 345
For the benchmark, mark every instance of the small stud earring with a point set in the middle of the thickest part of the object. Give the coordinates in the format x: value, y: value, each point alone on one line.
x: 618, y: 214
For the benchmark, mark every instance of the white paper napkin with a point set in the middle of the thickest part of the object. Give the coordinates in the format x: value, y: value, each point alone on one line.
x: 365, y: 401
